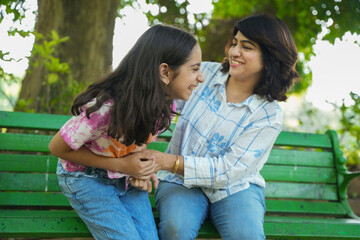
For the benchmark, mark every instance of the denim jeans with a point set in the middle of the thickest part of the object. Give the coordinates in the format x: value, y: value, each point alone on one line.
x: 109, y: 210
x: 183, y: 210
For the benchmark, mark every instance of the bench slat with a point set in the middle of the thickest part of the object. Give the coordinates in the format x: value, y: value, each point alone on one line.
x: 41, y: 121
x: 47, y: 163
x: 38, y: 163
x: 48, y: 182
x: 301, y: 158
x: 42, y: 224
x: 29, y: 182
x: 311, y: 228
x: 159, y: 146
x: 304, y: 207
x: 27, y: 163
x: 58, y: 199
x: 301, y: 191
x: 46, y: 224
x: 40, y: 143
x: 50, y: 199
x: 24, y: 142
x: 298, y: 174
x: 44, y: 121
x: 298, y: 139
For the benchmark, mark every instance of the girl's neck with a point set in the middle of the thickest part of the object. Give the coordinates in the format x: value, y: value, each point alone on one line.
x: 238, y: 91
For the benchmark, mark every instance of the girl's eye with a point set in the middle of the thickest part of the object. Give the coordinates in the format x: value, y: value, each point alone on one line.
x: 196, y: 69
x: 233, y: 44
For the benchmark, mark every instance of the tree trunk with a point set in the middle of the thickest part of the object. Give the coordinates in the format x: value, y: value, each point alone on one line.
x: 89, y: 24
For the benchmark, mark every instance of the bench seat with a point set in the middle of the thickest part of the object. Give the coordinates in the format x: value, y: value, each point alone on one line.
x: 306, y: 185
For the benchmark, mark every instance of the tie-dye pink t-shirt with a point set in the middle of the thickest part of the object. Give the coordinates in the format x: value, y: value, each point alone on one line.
x: 92, y: 133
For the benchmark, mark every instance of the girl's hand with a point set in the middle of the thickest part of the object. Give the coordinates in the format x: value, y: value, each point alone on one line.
x: 144, y: 185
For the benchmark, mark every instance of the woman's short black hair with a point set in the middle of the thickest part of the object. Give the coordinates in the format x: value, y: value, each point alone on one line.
x: 279, y: 54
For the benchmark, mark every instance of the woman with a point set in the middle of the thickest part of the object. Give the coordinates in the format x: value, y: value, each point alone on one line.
x: 224, y: 136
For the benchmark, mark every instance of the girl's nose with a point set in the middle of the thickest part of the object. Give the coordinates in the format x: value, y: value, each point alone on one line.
x: 200, y: 78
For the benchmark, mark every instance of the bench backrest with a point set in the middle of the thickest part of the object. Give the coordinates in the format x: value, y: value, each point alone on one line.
x: 303, y: 173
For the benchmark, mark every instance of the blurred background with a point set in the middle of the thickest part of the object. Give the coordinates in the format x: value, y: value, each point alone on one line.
x: 50, y: 50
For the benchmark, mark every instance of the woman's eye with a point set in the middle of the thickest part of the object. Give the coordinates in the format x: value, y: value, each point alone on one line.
x: 196, y: 69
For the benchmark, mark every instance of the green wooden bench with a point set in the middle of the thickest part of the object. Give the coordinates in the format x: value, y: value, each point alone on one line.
x: 306, y: 178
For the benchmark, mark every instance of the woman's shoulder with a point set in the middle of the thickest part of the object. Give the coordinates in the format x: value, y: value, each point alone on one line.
x: 212, y: 73
x: 210, y: 67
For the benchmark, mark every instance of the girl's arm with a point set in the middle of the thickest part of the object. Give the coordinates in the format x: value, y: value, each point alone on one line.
x: 132, y: 164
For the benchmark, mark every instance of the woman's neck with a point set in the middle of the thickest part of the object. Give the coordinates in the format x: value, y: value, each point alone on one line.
x: 238, y: 91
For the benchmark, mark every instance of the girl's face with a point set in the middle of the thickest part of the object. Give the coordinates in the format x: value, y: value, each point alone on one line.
x: 245, y: 59
x: 185, y: 79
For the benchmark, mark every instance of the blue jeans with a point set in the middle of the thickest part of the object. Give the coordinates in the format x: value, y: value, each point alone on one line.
x: 109, y: 210
x: 183, y: 210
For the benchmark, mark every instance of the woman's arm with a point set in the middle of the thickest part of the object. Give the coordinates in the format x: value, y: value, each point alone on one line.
x: 139, y: 165
x: 243, y: 158
x: 166, y: 161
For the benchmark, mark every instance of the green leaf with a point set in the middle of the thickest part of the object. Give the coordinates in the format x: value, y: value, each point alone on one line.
x: 52, y: 78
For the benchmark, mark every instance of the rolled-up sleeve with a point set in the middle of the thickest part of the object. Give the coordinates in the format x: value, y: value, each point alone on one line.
x: 244, y: 157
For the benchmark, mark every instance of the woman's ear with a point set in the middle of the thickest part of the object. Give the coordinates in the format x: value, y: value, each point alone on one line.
x: 165, y: 73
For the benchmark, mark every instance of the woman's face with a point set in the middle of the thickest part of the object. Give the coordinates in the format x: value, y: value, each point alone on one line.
x: 245, y: 59
x: 185, y: 79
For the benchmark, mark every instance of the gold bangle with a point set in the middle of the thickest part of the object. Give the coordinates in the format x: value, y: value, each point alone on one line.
x: 177, y: 163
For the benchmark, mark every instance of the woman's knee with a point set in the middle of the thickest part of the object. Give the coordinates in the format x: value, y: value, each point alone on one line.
x: 177, y: 229
x: 248, y: 232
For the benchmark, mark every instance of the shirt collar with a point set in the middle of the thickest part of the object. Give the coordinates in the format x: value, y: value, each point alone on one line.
x: 221, y: 78
x: 253, y: 102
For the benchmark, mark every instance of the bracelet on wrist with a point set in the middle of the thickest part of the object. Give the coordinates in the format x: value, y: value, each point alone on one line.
x: 177, y: 163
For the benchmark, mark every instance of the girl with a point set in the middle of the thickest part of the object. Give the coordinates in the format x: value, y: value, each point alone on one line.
x: 224, y: 135
x: 113, y: 120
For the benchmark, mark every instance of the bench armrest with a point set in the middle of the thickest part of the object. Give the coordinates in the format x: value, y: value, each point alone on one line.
x: 347, y: 178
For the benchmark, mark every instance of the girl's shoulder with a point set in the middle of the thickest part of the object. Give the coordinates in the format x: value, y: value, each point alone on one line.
x: 100, y: 117
x: 104, y: 108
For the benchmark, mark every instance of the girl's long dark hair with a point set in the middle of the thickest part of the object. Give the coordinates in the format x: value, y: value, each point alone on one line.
x: 279, y: 54
x: 140, y: 104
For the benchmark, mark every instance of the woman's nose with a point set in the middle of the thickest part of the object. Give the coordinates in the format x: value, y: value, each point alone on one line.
x: 235, y: 51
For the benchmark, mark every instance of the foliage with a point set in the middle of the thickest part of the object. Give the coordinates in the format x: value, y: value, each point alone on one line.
x: 171, y: 12
x: 308, y: 21
x: 345, y: 118
x: 350, y: 129
x: 177, y: 13
x: 16, y: 10
x: 58, y: 84
x: 6, y: 81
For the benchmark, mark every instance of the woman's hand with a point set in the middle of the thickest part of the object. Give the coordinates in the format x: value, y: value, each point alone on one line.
x: 139, y: 165
x: 144, y: 185
x: 166, y: 161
